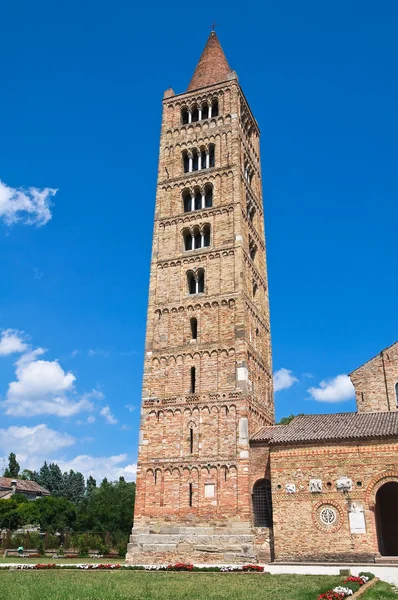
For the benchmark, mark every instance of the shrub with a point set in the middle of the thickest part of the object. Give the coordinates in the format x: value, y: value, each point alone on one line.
x: 83, y: 545
x: 40, y: 547
x: 122, y: 550
x: 370, y: 576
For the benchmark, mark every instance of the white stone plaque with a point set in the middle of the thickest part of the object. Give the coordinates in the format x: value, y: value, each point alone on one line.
x: 209, y: 490
x: 315, y: 485
x: 290, y: 488
x: 356, y: 517
x: 344, y: 484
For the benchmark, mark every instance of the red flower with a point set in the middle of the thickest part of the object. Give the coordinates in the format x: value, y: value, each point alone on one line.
x: 357, y: 580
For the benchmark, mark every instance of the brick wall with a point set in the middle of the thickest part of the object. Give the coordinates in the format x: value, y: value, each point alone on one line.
x: 376, y: 382
x: 298, y: 532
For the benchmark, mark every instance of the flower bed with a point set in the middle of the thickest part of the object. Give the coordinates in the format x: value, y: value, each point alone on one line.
x: 107, y: 566
x: 349, y: 587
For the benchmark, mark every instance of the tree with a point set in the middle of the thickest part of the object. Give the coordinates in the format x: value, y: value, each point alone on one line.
x: 75, y: 487
x: 91, y: 485
x: 13, y: 467
x: 55, y: 514
x: 109, y: 508
x: 289, y: 419
x: 43, y: 476
x: 57, y: 483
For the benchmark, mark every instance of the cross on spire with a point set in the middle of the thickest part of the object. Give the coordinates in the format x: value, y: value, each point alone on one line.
x: 213, y: 26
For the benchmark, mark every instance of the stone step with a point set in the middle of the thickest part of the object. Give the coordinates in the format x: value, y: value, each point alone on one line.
x: 390, y: 560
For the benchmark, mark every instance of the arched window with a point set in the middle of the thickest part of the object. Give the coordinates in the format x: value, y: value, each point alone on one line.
x: 197, y: 239
x: 205, y: 111
x: 206, y: 236
x: 211, y: 156
x: 201, y: 282
x: 203, y: 158
x: 198, y: 200
x: 262, y: 504
x: 250, y: 210
x: 187, y: 200
x: 252, y: 248
x: 194, y: 328
x: 193, y: 380
x: 196, y: 282
x: 214, y: 108
x: 187, y: 239
x: 191, y: 440
x: 255, y: 288
x: 195, y: 160
x: 396, y: 393
x: 195, y: 114
x: 184, y: 116
x: 208, y: 196
x: 185, y: 159
x: 190, y: 494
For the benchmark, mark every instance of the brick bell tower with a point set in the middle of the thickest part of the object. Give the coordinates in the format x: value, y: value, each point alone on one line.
x: 208, y: 375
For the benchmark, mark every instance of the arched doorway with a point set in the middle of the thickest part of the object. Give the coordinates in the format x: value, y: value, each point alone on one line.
x: 262, y: 507
x: 387, y: 518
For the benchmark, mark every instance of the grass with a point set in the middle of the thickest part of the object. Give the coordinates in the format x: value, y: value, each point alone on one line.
x: 130, y: 585
x: 380, y: 591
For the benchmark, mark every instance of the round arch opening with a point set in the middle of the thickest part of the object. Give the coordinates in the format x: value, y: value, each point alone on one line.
x: 261, y: 502
x: 387, y: 518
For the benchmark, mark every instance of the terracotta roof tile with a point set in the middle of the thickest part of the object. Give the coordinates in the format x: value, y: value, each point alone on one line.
x: 334, y: 427
x: 212, y: 66
x: 23, y: 485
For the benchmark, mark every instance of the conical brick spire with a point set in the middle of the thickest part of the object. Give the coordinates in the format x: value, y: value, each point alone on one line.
x: 212, y: 67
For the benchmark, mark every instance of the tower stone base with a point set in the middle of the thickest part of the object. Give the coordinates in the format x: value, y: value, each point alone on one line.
x: 235, y: 543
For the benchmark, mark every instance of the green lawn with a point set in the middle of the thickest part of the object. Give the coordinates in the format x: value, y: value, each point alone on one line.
x: 381, y: 591
x: 130, y: 585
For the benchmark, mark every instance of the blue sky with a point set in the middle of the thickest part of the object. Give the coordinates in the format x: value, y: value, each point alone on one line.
x: 80, y: 113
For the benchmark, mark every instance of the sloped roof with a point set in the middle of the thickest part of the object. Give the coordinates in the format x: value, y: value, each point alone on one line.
x: 334, y: 427
x: 212, y: 66
x: 373, y: 357
x: 23, y: 486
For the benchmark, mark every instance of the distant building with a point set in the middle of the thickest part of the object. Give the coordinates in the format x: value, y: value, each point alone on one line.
x: 30, y: 489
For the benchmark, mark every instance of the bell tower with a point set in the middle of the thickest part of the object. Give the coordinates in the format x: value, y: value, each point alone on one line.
x: 207, y: 383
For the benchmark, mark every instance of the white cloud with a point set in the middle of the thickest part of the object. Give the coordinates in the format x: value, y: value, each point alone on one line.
x: 99, y: 467
x: 38, y: 440
x: 43, y: 387
x: 29, y: 206
x: 283, y: 379
x: 108, y: 416
x: 91, y: 419
x: 338, y: 389
x: 12, y: 341
x: 126, y: 427
x: 98, y: 352
x: 130, y: 407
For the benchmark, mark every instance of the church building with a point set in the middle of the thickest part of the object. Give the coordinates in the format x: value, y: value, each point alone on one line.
x: 217, y: 480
